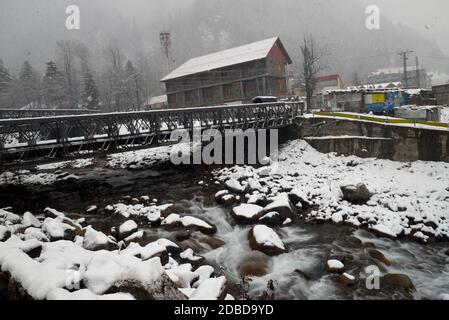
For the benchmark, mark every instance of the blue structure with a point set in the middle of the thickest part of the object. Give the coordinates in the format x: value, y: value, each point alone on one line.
x: 384, y: 102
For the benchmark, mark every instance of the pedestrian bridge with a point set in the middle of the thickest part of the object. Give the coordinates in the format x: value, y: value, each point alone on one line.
x: 55, y: 136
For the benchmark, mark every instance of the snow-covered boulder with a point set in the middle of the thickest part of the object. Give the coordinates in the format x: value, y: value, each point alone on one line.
x: 106, y: 269
x: 235, y: 186
x: 8, y: 216
x: 334, y: 266
x: 56, y: 230
x: 189, y: 256
x: 29, y: 220
x: 127, y: 228
x: 383, y: 230
x: 280, y: 204
x: 136, y: 236
x: 52, y: 213
x: 357, y: 194
x: 299, y: 198
x: 182, y: 275
x: 151, y: 250
x: 174, y: 221
x: 96, y: 240
x: 35, y: 233
x: 5, y: 233
x: 210, y: 289
x: 254, y: 185
x: 247, y: 213
x: 346, y: 279
x: 271, y: 219
x: 266, y: 240
x: 220, y: 195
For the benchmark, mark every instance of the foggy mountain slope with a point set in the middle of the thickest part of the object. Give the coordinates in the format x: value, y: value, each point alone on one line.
x: 203, y: 26
x: 337, y: 25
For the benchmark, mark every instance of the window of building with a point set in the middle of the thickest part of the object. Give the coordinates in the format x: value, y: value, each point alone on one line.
x: 231, y: 91
x: 249, y: 88
x: 190, y: 97
x: 172, y: 99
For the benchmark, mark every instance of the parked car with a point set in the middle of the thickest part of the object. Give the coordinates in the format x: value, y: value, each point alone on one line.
x: 262, y: 99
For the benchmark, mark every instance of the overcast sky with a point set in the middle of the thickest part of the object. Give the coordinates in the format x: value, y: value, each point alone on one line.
x: 429, y: 17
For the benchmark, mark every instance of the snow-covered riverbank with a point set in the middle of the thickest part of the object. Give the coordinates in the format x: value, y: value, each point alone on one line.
x: 262, y: 225
x: 407, y: 199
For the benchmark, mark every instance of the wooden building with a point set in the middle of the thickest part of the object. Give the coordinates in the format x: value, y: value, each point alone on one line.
x: 329, y: 82
x: 232, y: 76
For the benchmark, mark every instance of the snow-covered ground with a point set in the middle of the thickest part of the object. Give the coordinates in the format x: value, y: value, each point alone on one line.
x: 410, y: 199
x: 54, y: 257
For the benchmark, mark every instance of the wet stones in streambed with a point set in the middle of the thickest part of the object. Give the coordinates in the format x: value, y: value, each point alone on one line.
x: 207, y: 241
x: 175, y: 221
x: 255, y: 264
x: 357, y: 194
x: 334, y: 266
x: 379, y: 256
x: 225, y: 198
x: 92, y: 209
x: 397, y: 281
x: 266, y: 240
x: 346, y: 279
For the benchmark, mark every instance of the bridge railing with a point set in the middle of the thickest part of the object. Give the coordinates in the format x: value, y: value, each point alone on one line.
x: 131, y: 128
x: 33, y: 113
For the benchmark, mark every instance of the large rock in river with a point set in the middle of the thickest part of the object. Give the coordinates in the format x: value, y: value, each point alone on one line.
x: 247, y: 213
x: 266, y: 240
x: 356, y: 193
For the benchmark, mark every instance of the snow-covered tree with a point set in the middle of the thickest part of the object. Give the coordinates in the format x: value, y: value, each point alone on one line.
x: 5, y: 86
x: 53, y: 86
x: 133, y: 86
x: 89, y: 94
x: 29, y: 84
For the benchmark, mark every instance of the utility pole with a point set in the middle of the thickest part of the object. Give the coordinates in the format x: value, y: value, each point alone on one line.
x: 166, y: 47
x: 404, y: 55
x: 418, y: 76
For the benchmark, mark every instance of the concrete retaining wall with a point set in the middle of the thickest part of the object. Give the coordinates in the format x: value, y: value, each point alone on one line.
x: 368, y: 139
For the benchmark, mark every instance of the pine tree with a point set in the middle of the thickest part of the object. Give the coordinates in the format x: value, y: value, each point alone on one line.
x: 29, y: 85
x: 53, y: 86
x: 89, y: 95
x: 133, y: 85
x: 5, y: 86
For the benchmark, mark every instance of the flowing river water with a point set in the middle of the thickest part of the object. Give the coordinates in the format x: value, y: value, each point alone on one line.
x: 298, y: 274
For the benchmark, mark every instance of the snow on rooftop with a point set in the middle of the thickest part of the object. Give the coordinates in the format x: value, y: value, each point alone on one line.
x: 158, y: 99
x: 393, y: 70
x: 246, y: 53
